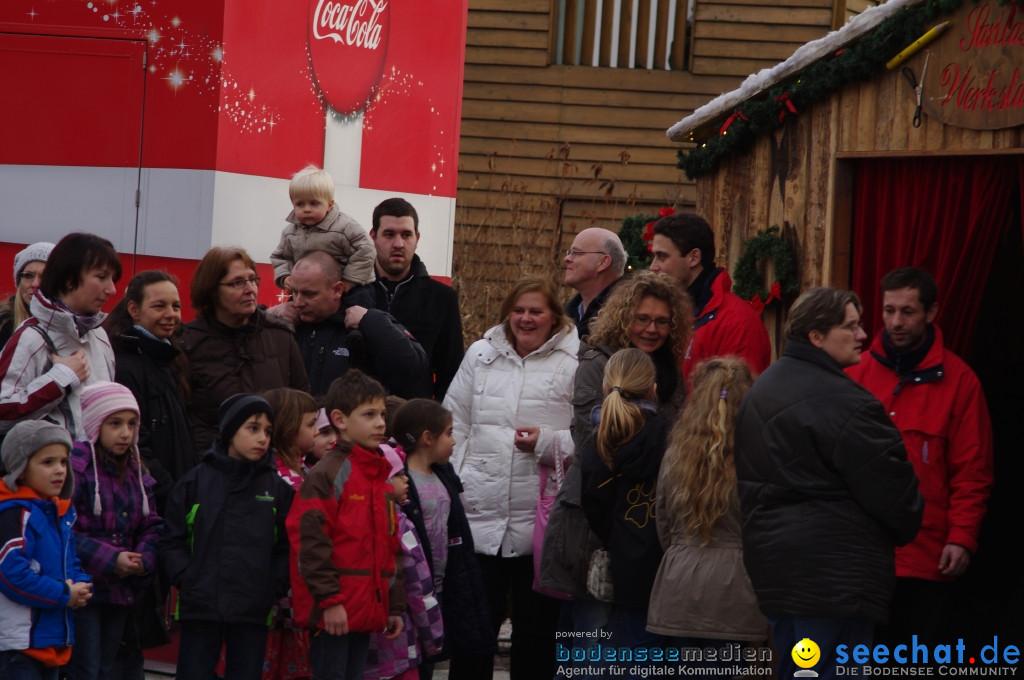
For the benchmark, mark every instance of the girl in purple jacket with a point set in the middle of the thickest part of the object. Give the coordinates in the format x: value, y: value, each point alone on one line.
x: 117, y: 529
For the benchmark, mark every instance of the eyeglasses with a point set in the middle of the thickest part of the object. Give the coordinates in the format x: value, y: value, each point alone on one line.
x: 573, y: 253
x: 853, y: 327
x: 29, y: 276
x: 661, y: 323
x: 239, y: 284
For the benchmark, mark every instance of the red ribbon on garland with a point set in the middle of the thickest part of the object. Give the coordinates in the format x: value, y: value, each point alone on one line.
x: 775, y: 293
x: 648, y: 234
x: 729, y: 121
x: 787, y: 104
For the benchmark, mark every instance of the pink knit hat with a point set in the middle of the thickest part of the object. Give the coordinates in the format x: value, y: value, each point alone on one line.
x: 101, y: 400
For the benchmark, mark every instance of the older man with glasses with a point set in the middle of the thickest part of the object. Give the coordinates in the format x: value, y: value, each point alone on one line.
x: 593, y: 265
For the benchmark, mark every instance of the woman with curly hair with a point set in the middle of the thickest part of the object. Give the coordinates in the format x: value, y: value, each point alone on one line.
x: 702, y: 595
x: 650, y: 312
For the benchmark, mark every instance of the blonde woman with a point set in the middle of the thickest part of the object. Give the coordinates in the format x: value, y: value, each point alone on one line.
x: 702, y: 590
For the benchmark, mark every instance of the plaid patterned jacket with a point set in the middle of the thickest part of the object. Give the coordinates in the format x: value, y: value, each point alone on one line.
x: 423, y: 631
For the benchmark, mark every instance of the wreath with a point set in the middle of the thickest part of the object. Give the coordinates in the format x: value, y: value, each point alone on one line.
x: 748, y: 281
x: 636, y: 234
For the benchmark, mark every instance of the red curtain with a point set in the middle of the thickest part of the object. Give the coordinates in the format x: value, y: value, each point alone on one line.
x: 944, y: 215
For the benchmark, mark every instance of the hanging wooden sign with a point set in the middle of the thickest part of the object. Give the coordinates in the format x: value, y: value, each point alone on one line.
x: 975, y: 78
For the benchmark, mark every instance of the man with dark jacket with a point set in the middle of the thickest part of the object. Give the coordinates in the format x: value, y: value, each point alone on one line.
x: 382, y: 348
x: 684, y: 248
x: 825, y: 488
x: 428, y: 308
x: 937, y: 402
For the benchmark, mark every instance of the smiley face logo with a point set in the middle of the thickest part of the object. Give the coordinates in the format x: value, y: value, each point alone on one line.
x: 806, y: 653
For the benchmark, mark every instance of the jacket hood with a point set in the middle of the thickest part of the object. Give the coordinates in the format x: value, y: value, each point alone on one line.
x: 564, y: 340
x: 25, y: 495
x: 61, y: 320
x: 205, y: 326
x: 131, y: 342
x: 238, y: 471
x: 322, y: 225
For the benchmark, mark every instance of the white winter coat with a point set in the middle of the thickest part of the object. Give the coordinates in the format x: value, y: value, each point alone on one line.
x: 33, y: 387
x: 495, y: 391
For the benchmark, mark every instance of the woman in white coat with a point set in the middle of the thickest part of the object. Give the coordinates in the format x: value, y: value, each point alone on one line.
x: 511, y: 409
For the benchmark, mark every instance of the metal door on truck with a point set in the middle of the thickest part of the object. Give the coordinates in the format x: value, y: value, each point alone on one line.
x: 70, y: 137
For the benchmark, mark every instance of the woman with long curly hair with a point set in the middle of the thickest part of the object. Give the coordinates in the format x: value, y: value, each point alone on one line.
x: 702, y: 590
x: 652, y: 313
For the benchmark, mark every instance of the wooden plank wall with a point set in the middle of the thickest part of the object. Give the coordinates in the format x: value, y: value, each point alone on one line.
x: 739, y: 37
x: 799, y: 177
x: 547, y: 150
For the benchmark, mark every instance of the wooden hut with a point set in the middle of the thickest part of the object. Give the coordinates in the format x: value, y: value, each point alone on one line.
x: 835, y: 148
x: 565, y: 105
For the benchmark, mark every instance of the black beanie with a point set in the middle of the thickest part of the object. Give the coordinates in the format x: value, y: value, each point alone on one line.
x: 235, y: 410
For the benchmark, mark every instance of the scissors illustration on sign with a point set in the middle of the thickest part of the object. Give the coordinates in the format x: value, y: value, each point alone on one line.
x: 918, y: 86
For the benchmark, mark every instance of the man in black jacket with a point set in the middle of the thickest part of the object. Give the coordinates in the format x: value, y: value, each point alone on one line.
x: 825, y: 488
x: 382, y: 348
x: 428, y: 308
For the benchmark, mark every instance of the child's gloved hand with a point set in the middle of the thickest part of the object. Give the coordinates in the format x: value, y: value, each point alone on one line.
x: 394, y: 628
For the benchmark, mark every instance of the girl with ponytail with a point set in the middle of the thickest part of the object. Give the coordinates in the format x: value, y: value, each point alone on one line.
x: 620, y: 473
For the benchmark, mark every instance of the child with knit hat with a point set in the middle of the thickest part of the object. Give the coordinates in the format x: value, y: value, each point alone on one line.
x: 118, y: 526
x: 40, y: 575
x: 225, y: 546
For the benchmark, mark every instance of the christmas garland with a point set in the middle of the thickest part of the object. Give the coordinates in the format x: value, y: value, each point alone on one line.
x: 636, y: 234
x: 747, y: 282
x: 819, y: 80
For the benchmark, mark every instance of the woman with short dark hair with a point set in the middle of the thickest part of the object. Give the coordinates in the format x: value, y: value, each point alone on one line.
x: 233, y: 346
x: 63, y: 346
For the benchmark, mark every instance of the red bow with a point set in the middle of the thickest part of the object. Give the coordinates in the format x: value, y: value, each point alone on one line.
x: 648, y: 234
x: 787, y: 104
x: 729, y: 121
x: 774, y: 294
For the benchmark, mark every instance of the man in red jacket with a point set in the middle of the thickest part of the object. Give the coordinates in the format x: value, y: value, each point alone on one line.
x: 937, y: 403
x: 684, y: 248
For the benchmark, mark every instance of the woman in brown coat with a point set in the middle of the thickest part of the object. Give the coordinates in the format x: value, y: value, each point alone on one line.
x: 233, y: 346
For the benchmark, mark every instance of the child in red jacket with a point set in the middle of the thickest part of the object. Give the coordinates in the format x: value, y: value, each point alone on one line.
x: 343, y: 531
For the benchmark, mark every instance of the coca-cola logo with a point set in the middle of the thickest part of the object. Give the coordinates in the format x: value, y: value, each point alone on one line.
x: 348, y: 41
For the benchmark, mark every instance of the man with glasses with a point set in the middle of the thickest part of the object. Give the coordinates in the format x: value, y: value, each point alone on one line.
x: 684, y: 248
x: 825, y: 488
x: 593, y: 265
x: 938, y: 404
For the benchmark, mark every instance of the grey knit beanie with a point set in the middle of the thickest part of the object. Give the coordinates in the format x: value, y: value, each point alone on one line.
x: 23, y: 440
x: 37, y: 252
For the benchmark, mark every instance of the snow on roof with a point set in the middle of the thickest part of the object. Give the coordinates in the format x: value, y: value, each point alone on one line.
x: 805, y: 55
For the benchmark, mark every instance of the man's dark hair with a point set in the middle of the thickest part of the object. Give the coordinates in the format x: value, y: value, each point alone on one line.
x: 395, y: 207
x: 688, y: 231
x: 911, y: 277
x: 350, y: 389
x: 73, y: 256
x: 819, y: 309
